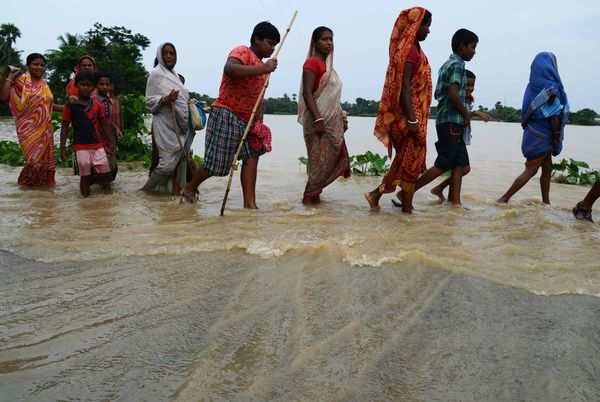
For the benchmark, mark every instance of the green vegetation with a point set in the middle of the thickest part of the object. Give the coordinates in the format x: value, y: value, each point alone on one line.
x: 117, y: 50
x: 575, y: 172
x: 585, y: 117
x: 367, y: 164
x: 10, y: 153
x: 132, y: 145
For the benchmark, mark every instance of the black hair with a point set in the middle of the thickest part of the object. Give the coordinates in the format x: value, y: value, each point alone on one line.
x: 34, y: 56
x: 463, y: 37
x: 85, y: 76
x: 265, y: 30
x: 103, y: 74
x: 316, y: 35
x: 426, y: 18
x: 470, y: 75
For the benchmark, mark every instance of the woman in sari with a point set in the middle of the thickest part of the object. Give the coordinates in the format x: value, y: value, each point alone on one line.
x: 320, y: 113
x: 167, y: 99
x: 401, y: 122
x: 31, y: 103
x: 85, y: 63
x: 544, y: 115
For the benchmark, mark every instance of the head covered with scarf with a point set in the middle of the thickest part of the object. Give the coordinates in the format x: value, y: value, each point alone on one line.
x: 544, y: 76
x: 390, y: 118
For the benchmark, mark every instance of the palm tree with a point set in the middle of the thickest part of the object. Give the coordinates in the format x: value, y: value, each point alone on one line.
x: 9, y: 33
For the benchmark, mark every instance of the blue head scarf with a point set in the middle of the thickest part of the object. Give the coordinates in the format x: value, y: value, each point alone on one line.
x: 544, y: 76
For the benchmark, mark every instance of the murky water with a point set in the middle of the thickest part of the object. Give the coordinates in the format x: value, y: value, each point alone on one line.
x: 135, y: 297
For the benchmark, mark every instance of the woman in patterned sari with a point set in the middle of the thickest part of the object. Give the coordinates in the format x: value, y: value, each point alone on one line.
x: 31, y: 103
x: 404, y: 109
x: 321, y: 115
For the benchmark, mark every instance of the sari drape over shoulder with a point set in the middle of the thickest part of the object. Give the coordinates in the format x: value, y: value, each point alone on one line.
x: 327, y: 153
x: 31, y: 104
x: 168, y: 123
x: 544, y: 97
x: 391, y: 122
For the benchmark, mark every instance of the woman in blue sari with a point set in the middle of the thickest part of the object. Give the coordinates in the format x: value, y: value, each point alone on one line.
x: 544, y: 115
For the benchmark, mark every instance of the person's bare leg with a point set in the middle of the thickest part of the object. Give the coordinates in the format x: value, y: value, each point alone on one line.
x: 407, y: 199
x: 189, y: 191
x: 373, y: 198
x: 519, y: 182
x: 455, y: 186
x: 430, y: 175
x: 591, y: 196
x: 248, y: 178
x: 545, y: 179
x: 84, y: 186
x: 438, y: 190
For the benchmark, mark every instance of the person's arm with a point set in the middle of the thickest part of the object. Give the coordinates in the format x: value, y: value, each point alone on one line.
x: 64, y: 134
x: 455, y: 101
x: 7, y: 85
x: 235, y: 69
x: 406, y: 100
x: 555, y: 126
x: 308, y: 83
x: 482, y: 115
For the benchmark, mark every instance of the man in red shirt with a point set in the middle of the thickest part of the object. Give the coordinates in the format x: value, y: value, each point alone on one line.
x: 244, y: 76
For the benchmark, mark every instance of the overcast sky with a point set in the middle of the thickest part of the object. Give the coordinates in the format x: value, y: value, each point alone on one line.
x: 511, y: 32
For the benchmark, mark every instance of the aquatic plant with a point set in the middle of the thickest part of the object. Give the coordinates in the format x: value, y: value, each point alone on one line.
x: 367, y: 164
x: 10, y: 153
x: 570, y: 171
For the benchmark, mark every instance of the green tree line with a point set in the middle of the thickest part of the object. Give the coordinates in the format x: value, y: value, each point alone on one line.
x: 118, y: 51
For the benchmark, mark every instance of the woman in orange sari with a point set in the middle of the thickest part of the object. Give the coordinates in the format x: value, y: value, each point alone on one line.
x: 404, y: 108
x: 31, y: 103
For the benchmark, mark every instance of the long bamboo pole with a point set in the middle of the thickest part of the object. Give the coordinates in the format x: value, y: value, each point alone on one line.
x: 256, y: 105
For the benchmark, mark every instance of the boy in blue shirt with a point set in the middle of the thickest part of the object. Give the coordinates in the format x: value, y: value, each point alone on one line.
x: 453, y: 116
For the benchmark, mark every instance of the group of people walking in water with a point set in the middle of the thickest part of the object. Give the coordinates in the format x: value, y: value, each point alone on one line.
x: 401, y: 123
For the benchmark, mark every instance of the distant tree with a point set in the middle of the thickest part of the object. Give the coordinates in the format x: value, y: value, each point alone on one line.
x: 117, y: 50
x: 585, y: 117
x: 506, y: 113
x: 9, y: 33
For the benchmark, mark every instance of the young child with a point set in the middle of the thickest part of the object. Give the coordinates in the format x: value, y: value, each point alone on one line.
x: 112, y: 116
x: 244, y: 76
x: 453, y: 116
x: 87, y: 117
x: 439, y: 189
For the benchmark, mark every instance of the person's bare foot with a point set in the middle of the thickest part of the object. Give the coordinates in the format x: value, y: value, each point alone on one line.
x: 373, y: 200
x: 250, y: 206
x: 502, y: 200
x: 439, y: 194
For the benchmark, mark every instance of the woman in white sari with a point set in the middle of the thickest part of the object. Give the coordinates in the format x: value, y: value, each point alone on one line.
x: 321, y: 115
x: 167, y: 99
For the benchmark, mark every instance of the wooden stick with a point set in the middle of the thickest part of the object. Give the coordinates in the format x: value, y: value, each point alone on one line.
x: 249, y: 125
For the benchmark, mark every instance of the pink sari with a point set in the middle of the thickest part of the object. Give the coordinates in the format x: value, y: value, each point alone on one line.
x: 327, y: 154
x: 31, y: 104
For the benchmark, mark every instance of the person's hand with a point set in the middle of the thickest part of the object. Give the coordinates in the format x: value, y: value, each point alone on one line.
x: 119, y: 133
x: 467, y: 121
x: 484, y: 116
x: 319, y: 127
x: 63, y: 153
x: 171, y: 97
x: 413, y: 129
x: 270, y: 65
x: 13, y: 75
x: 72, y: 99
